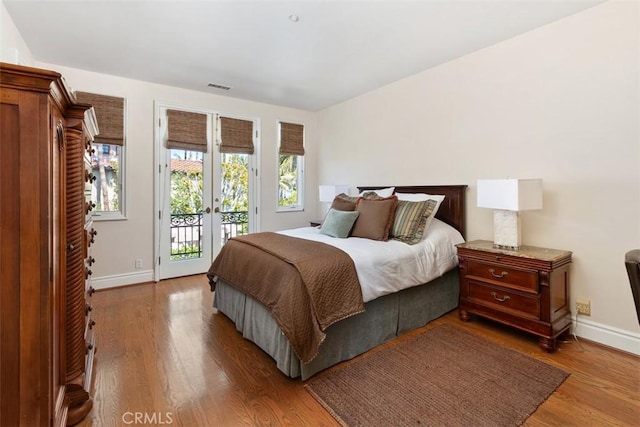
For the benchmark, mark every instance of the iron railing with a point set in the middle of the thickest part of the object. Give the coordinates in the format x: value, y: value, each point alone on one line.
x: 235, y: 223
x: 186, y: 236
x: 186, y: 232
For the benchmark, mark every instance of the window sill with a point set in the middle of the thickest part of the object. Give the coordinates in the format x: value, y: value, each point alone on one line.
x: 281, y: 210
x: 108, y: 216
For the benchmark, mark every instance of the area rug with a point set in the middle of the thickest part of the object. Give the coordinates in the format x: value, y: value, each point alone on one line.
x: 444, y: 377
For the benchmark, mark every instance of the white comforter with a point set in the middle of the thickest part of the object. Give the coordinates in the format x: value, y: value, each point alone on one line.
x: 387, y: 267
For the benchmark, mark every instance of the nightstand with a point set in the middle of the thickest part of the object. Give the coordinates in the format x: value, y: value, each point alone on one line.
x: 526, y: 288
x: 316, y: 223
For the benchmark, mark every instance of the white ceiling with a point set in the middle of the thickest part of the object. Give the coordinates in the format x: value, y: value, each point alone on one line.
x: 337, y: 50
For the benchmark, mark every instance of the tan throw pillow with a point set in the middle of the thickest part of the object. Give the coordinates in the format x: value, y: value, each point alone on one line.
x: 343, y: 202
x: 376, y: 217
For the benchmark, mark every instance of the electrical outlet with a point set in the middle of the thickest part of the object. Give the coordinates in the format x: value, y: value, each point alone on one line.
x: 138, y: 262
x: 583, y: 307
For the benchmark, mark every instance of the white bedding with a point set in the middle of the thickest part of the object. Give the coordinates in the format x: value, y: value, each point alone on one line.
x: 408, y: 265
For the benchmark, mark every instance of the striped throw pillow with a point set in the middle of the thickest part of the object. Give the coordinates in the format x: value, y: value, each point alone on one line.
x: 410, y: 220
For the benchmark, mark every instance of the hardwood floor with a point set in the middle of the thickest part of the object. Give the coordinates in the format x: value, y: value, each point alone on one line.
x: 165, y: 357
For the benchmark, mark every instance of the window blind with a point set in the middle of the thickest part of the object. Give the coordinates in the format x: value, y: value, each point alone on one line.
x: 186, y: 130
x: 236, y: 136
x: 109, y: 115
x: 291, y: 139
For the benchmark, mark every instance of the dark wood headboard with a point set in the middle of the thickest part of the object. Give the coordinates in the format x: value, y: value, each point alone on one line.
x: 452, y: 209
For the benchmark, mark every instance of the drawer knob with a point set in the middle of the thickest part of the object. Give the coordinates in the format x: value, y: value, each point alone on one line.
x: 89, y: 177
x: 497, y: 298
x: 499, y: 276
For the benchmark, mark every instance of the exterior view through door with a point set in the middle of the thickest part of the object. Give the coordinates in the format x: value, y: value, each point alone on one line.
x: 204, y: 193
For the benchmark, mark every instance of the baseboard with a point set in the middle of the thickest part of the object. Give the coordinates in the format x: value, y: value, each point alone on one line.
x: 608, y: 335
x: 116, y: 280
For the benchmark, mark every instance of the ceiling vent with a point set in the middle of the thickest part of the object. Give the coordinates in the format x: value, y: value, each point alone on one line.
x: 219, y: 86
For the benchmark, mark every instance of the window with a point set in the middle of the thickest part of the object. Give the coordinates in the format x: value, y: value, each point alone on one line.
x: 185, y: 203
x: 291, y: 167
x: 290, y: 178
x: 107, y: 160
x: 106, y: 165
x: 187, y: 146
x: 236, y: 147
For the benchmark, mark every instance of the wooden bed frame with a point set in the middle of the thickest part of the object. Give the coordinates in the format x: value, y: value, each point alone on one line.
x: 452, y: 210
x: 384, y: 318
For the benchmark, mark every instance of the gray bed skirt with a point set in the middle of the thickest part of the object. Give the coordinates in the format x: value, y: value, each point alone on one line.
x: 384, y: 319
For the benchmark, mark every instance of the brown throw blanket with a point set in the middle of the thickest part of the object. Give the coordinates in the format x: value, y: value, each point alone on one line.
x: 307, y: 285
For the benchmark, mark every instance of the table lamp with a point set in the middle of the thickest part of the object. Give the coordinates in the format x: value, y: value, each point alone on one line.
x: 508, y: 197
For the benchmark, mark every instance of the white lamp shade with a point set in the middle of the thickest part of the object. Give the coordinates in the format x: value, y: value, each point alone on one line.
x: 328, y: 192
x: 510, y: 194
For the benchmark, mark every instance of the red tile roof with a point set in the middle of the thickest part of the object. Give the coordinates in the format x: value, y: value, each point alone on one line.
x: 187, y: 166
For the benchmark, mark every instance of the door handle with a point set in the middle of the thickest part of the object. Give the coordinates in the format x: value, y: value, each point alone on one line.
x: 208, y: 210
x: 216, y: 210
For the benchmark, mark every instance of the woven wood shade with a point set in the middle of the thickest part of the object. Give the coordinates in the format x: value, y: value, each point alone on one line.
x: 291, y: 139
x: 236, y: 136
x: 109, y: 115
x: 187, y: 131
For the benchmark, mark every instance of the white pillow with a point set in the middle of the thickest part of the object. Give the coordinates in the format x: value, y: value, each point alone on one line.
x: 382, y: 192
x: 421, y: 197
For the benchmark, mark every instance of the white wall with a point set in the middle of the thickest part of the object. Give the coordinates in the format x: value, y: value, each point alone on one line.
x: 559, y: 103
x: 13, y: 48
x: 119, y: 243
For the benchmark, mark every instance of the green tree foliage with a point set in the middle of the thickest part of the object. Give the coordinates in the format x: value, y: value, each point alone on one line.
x: 288, y: 185
x: 235, y: 182
x: 186, y: 192
x: 186, y: 187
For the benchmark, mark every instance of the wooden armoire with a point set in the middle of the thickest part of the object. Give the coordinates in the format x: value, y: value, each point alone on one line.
x: 46, y: 333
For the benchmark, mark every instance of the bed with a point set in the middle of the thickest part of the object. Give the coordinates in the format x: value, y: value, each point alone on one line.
x: 385, y: 316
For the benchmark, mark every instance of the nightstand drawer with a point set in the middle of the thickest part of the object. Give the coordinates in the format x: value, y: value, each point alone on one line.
x: 505, y: 276
x: 504, y: 300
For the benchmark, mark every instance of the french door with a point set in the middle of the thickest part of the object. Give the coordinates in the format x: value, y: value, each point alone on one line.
x: 203, y: 199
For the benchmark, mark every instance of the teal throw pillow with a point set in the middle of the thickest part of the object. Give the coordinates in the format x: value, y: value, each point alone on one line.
x: 339, y: 223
